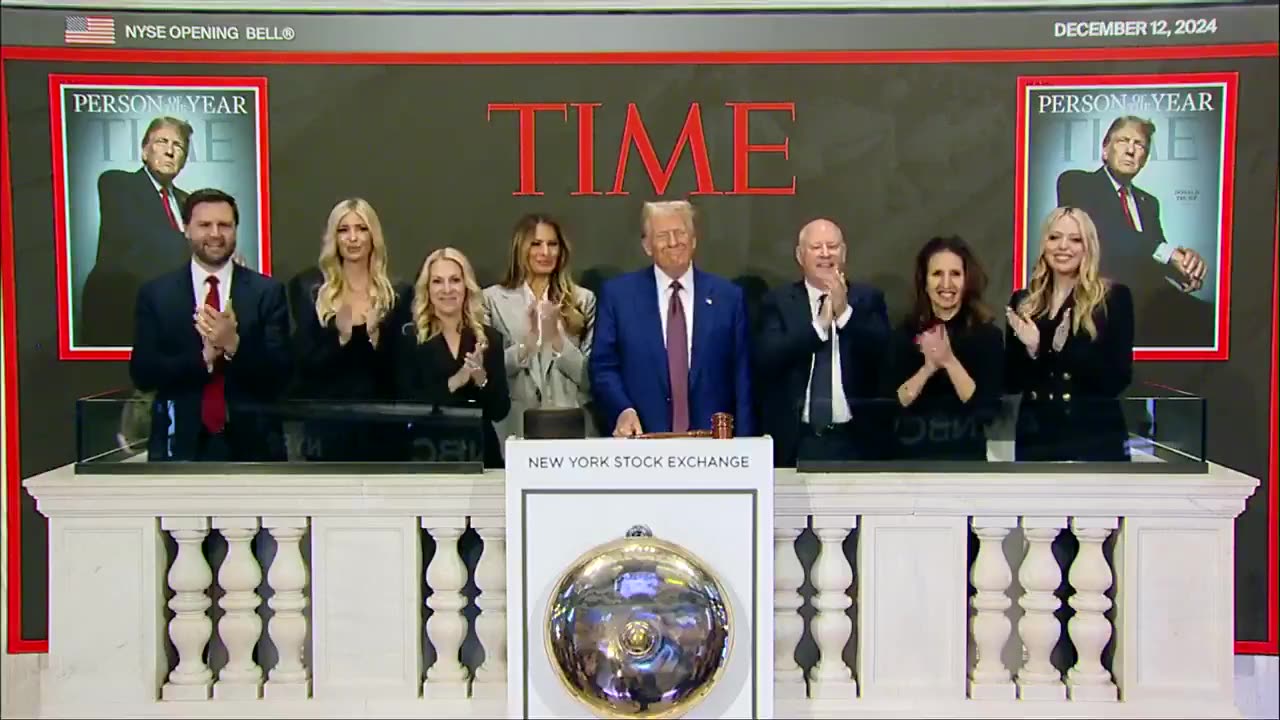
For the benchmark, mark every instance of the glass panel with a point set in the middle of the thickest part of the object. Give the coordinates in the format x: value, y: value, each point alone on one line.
x: 1104, y: 435
x: 116, y: 429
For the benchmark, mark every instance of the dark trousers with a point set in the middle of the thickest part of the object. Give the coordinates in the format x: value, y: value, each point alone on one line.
x: 832, y: 443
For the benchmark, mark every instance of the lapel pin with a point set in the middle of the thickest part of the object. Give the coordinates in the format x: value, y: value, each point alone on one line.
x: 708, y: 301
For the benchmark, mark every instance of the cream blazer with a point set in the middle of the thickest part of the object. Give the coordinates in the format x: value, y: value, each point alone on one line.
x: 545, y: 379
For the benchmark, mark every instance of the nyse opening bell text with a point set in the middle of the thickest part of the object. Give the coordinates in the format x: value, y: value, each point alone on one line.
x: 258, y: 33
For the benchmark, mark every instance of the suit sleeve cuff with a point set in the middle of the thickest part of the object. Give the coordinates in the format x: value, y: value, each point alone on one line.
x: 844, y: 317
x: 1163, y: 252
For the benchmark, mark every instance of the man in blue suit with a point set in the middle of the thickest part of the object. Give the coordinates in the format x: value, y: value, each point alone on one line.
x: 671, y: 346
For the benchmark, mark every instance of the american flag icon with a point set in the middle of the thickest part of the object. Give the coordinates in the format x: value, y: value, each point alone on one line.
x: 83, y: 30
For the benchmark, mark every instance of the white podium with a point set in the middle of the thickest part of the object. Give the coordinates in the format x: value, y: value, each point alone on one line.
x: 713, y: 497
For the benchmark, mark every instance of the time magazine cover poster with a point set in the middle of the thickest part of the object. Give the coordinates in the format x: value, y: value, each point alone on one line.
x: 127, y: 151
x: 1150, y: 158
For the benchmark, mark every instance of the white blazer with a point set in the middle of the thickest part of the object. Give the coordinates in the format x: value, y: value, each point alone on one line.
x: 545, y: 379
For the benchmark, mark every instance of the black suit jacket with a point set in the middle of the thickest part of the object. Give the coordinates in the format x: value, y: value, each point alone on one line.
x: 135, y: 244
x: 167, y: 360
x: 1170, y: 318
x: 785, y: 344
x: 1070, y: 408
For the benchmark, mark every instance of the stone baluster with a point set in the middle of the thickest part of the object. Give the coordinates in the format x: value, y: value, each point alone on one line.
x: 1089, y: 628
x: 287, y: 628
x: 447, y: 626
x: 190, y: 629
x: 240, y: 626
x: 1039, y: 629
x: 788, y: 625
x: 989, y: 679
x: 832, y: 678
x: 491, y: 625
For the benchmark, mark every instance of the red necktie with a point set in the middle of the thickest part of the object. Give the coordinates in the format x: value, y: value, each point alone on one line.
x: 678, y: 361
x: 213, y: 403
x: 1124, y: 203
x: 168, y: 211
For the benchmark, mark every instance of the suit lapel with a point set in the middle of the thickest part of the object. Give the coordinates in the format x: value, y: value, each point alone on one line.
x: 185, y: 290
x: 703, y: 322
x: 651, y: 322
x: 241, y: 299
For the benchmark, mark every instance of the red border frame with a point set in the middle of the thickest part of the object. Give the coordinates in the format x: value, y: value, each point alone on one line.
x: 56, y: 122
x: 1227, y: 195
x: 1270, y: 646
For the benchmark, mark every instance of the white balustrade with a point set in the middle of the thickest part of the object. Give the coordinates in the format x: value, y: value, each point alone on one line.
x: 240, y: 626
x: 832, y: 678
x: 1039, y: 628
x: 446, y: 628
x: 1172, y: 567
x: 989, y: 679
x: 287, y: 628
x: 788, y: 625
x: 491, y: 625
x: 190, y: 628
x: 1089, y: 628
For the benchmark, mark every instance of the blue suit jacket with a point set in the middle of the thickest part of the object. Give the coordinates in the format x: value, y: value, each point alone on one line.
x: 629, y: 359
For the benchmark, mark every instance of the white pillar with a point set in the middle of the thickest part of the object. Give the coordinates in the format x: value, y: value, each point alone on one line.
x: 788, y: 625
x: 1039, y: 629
x: 989, y: 679
x: 190, y: 628
x: 240, y: 626
x: 290, y: 679
x: 832, y: 678
x: 447, y: 627
x: 491, y: 624
x: 1089, y: 628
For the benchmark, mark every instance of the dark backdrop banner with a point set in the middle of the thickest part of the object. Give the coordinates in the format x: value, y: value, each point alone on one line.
x: 452, y: 148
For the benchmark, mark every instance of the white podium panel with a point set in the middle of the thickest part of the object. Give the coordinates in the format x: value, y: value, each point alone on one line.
x: 713, y: 497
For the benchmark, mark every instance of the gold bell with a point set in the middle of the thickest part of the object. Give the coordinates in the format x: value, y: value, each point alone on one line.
x: 639, y: 627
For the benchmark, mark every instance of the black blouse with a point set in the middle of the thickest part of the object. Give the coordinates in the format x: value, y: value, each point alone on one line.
x: 938, y: 424
x: 357, y: 371
x: 423, y: 372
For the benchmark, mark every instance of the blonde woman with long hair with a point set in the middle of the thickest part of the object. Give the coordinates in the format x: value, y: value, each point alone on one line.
x: 450, y: 354
x: 546, y: 320
x: 346, y: 312
x: 1069, y: 348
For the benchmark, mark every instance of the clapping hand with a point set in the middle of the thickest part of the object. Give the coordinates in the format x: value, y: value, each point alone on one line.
x: 473, y: 364
x: 549, y: 320
x: 935, y: 344
x: 1024, y: 329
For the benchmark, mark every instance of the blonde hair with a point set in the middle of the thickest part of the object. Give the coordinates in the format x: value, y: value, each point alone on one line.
x: 1090, y: 290
x: 561, y: 288
x: 474, y: 315
x: 683, y: 208
x: 382, y: 295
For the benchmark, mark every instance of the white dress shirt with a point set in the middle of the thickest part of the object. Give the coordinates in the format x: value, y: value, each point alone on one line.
x: 199, y: 284
x: 686, y: 300
x: 840, y: 412
x: 173, y: 201
x: 1165, y: 250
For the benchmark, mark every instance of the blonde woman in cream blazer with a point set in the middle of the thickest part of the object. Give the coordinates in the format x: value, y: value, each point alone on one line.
x: 546, y: 321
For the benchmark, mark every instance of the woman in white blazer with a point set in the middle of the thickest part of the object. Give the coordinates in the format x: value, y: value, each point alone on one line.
x: 546, y: 321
